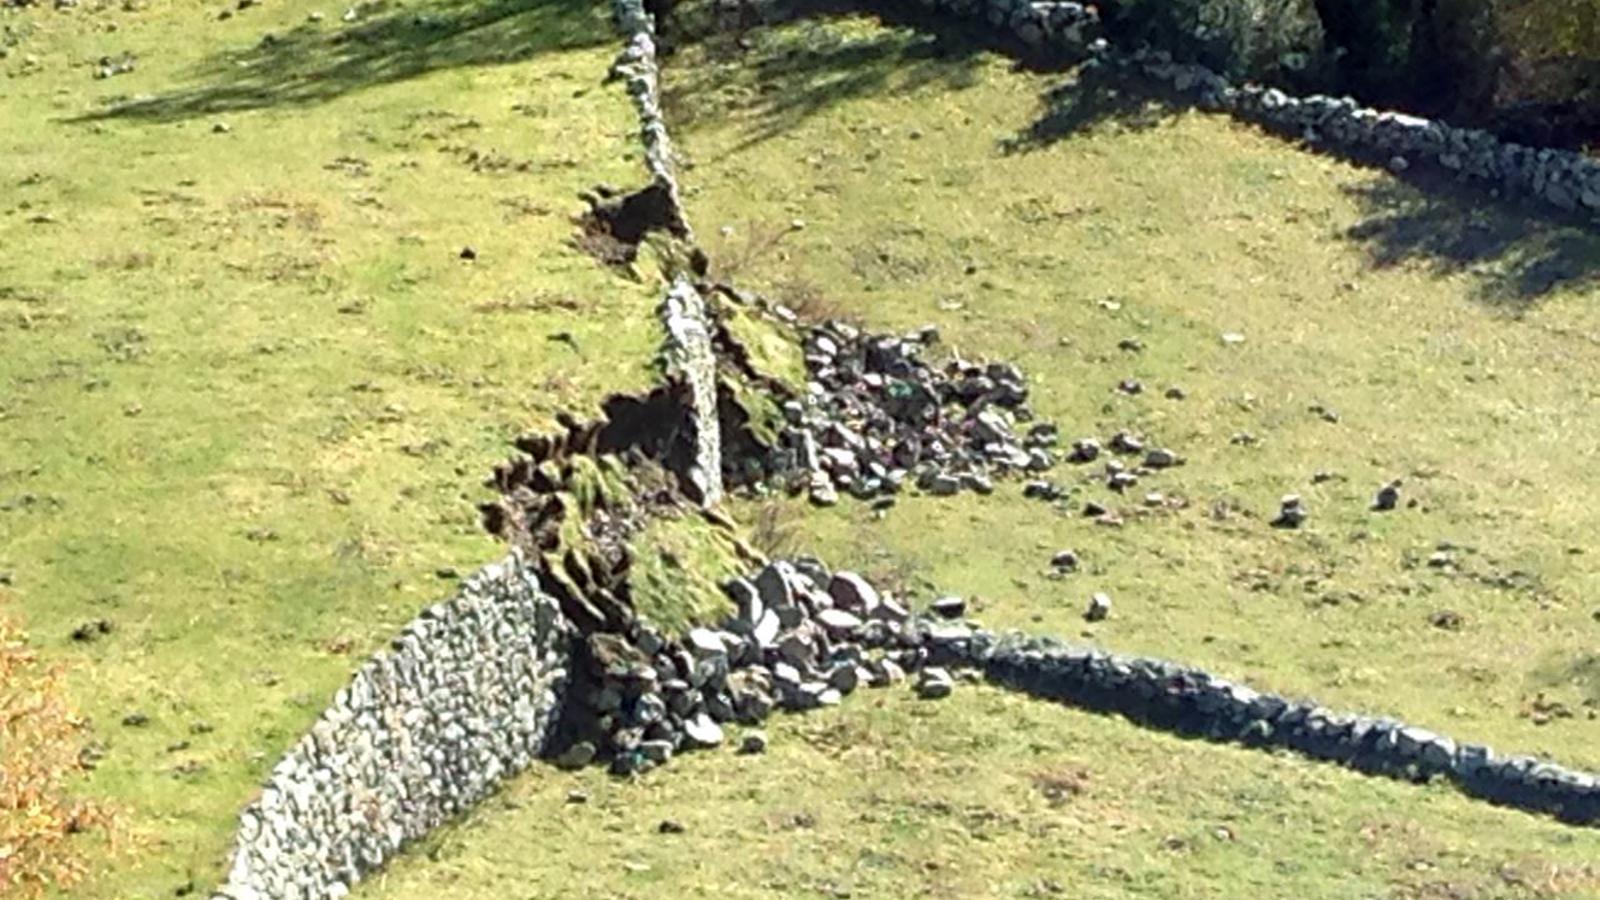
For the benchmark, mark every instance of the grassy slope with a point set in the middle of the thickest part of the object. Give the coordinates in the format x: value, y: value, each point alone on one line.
x: 1448, y: 367
x: 247, y: 388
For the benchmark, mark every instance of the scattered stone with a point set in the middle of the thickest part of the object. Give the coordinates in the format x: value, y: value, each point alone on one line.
x: 753, y: 742
x: 1123, y: 442
x: 135, y: 720
x: 1132, y: 345
x: 851, y: 592
x: 1130, y: 386
x: 1162, y: 458
x: 1388, y: 497
x: 576, y: 796
x: 1292, y: 512
x: 1085, y: 450
x: 1398, y: 164
x: 1065, y: 560
x: 949, y: 607
x: 1447, y: 619
x: 934, y: 683
x: 580, y: 754
x: 838, y: 622
x: 670, y: 826
x: 1176, y: 393
x: 1232, y: 337
x: 701, y: 731
x: 1326, y: 413
x: 1099, y: 608
x: 91, y: 631
x: 469, y: 253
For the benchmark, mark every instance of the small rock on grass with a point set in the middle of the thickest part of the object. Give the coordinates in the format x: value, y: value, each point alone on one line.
x: 1099, y: 608
x: 670, y: 826
x: 577, y: 756
x: 949, y: 607
x: 753, y: 742
x: 1388, y: 497
x: 1292, y: 512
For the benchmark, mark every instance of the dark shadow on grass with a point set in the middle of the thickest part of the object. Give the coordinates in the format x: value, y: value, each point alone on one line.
x: 796, y: 73
x: 314, y: 64
x: 1521, y: 252
x: 1094, y: 96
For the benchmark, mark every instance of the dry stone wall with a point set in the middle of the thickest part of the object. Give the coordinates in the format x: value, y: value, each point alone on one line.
x: 638, y: 67
x: 1191, y: 701
x: 1565, y: 179
x: 690, y: 356
x: 1061, y: 26
x: 466, y: 697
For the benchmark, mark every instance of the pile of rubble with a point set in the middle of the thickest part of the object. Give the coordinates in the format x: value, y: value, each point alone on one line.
x: 877, y: 416
x: 801, y: 638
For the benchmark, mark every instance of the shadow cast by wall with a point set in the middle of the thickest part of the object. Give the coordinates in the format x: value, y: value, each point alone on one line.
x: 1520, y: 254
x: 1094, y: 96
x: 819, y: 69
x: 314, y: 64
x: 1520, y: 251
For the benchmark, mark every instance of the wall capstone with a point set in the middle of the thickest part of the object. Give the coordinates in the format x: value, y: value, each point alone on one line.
x: 637, y: 65
x: 465, y: 698
x: 688, y: 354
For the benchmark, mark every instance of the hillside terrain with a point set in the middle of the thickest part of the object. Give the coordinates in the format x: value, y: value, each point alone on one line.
x: 273, y: 302
x: 249, y: 387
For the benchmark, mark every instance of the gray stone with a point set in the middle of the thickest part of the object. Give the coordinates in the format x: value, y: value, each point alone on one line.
x: 890, y: 610
x: 1291, y: 512
x: 701, y: 731
x: 887, y: 672
x: 838, y: 622
x: 775, y: 584
x: 657, y: 751
x: 851, y: 592
x: 753, y: 742
x: 1161, y: 458
x: 704, y: 642
x: 765, y: 633
x: 797, y: 649
x: 1099, y: 608
x: 949, y: 607
x: 934, y: 683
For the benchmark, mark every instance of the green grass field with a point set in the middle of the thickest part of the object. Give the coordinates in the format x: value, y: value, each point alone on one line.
x: 248, y: 387
x: 1455, y: 337
x: 249, y: 390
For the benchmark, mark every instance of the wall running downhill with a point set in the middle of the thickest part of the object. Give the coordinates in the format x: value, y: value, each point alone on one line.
x: 464, y: 699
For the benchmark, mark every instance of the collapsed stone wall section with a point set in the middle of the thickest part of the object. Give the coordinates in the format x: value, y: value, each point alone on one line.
x: 465, y: 698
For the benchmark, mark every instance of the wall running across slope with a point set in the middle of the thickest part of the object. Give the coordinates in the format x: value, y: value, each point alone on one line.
x: 465, y: 698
